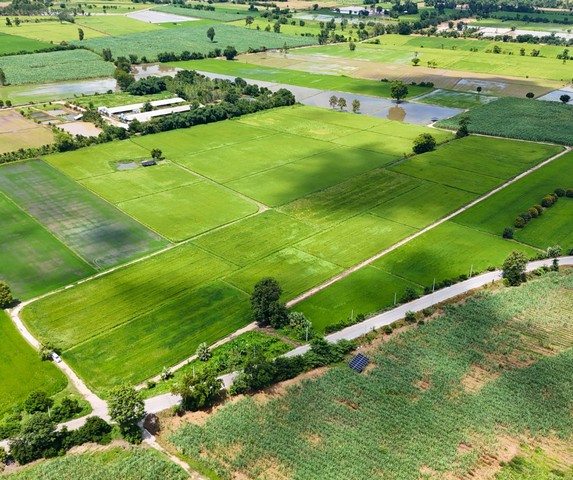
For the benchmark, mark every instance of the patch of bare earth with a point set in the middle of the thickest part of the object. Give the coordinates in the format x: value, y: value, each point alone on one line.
x: 477, y: 378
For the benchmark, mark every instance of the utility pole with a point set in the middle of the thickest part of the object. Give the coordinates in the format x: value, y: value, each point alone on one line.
x: 434, y: 285
x: 471, y: 270
x: 395, y: 295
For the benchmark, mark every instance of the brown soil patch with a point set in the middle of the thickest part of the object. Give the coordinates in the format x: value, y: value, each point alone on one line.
x: 423, y: 384
x: 349, y: 404
x: 477, y: 378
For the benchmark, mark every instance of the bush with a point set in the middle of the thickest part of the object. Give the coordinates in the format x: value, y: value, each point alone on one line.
x: 533, y: 212
x: 3, y: 455
x: 388, y: 329
x: 6, y: 297
x: 424, y: 143
x: 507, y: 232
x: 95, y: 429
x: 569, y: 193
x: 410, y: 317
x: 548, y: 201
x: 66, y: 410
x: 539, y: 209
x: 519, y: 222
x: 38, y: 401
x: 409, y: 295
x: 560, y: 192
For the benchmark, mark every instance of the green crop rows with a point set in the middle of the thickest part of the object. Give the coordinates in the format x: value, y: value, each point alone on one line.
x: 469, y: 377
x: 536, y: 121
x: 54, y: 66
x: 16, y: 44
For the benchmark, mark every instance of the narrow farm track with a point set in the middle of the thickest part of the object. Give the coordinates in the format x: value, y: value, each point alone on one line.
x: 372, y: 259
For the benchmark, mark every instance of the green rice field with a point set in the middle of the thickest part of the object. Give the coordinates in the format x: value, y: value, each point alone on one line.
x: 220, y: 14
x: 400, y: 49
x: 47, y: 31
x: 54, y: 66
x: 293, y: 77
x: 22, y: 370
x: 16, y: 44
x: 491, y: 372
x: 90, y: 227
x: 329, y: 207
x: 193, y: 39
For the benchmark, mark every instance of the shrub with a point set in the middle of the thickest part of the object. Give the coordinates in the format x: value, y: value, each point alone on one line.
x: 66, y: 410
x: 203, y: 353
x: 547, y: 201
x: 3, y: 455
x: 424, y: 143
x: 410, y: 317
x: 554, y: 251
x: 514, y: 268
x: 560, y: 192
x: 388, y: 329
x: 533, y: 212
x: 507, y: 232
x: 38, y: 401
x: 519, y: 222
x: 95, y: 429
x: 6, y: 297
x: 569, y: 192
x: 539, y: 209
x: 409, y: 295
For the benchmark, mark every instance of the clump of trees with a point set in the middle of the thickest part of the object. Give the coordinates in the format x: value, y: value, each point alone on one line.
x: 536, y: 210
x: 424, y: 143
x: 126, y: 408
x: 6, y: 297
x: 266, y: 307
x: 199, y: 390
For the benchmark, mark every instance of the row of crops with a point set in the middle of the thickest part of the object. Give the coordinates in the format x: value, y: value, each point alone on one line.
x: 415, y: 410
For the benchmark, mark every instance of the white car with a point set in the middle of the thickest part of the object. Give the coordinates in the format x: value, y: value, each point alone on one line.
x: 56, y: 358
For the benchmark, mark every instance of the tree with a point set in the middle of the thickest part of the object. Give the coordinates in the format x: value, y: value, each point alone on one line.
x: 398, y: 90
x: 424, y: 143
x: 6, y: 297
x: 265, y: 304
x: 300, y: 325
x: 126, y: 407
x: 277, y: 27
x: 124, y: 79
x: 80, y: 34
x: 147, y: 107
x: 565, y: 98
x: 17, y: 21
x: 355, y: 105
x: 249, y: 20
x: 478, y: 89
x: 8, y: 22
x: 36, y: 438
x: 507, y: 232
x: 530, y: 95
x: 211, y: 34
x: 107, y: 56
x: 156, y: 154
x: 198, y: 391
x: 554, y: 251
x: 415, y: 61
x: 342, y: 103
x: 513, y: 268
x: 333, y: 101
x: 38, y: 401
x: 2, y: 78
x: 203, y: 353
x: 230, y: 52
x: 463, y: 129
x: 352, y: 46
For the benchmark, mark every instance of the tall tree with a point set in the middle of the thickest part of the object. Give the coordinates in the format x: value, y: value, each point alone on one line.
x: 80, y: 34
x: 398, y: 90
x: 355, y: 105
x: 126, y: 407
x: 265, y: 304
x: 211, y: 34
x: 2, y: 77
x: 198, y: 391
x: 514, y: 268
x: 6, y: 297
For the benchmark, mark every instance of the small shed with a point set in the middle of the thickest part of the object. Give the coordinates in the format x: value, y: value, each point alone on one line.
x: 148, y: 163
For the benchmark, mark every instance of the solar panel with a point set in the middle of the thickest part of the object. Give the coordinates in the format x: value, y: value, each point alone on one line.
x: 358, y: 363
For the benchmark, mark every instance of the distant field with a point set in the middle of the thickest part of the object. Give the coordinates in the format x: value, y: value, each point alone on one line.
x: 22, y: 370
x: 338, y: 205
x: 294, y: 77
x: 129, y: 464
x: 18, y: 132
x: 455, y: 54
x: 500, y: 211
x: 220, y: 15
x: 452, y: 397
x: 526, y: 119
x: 50, y: 32
x: 115, y: 25
x: 54, y: 66
x: 193, y: 39
x: 95, y: 230
x: 33, y: 261
x: 16, y: 44
x: 118, y: 99
x: 448, y: 98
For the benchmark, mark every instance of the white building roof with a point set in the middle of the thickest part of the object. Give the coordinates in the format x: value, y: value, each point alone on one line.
x: 139, y: 106
x: 146, y: 116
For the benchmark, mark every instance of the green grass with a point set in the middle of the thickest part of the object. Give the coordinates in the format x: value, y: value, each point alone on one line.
x: 128, y: 464
x: 476, y: 164
x: 192, y: 39
x: 189, y: 210
x: 92, y: 228
x: 115, y: 25
x: 368, y: 290
x: 16, y: 44
x: 34, y: 261
x: 446, y: 252
x: 51, y: 32
x: 473, y: 376
x: 219, y: 14
x: 500, y: 210
x: 448, y: 98
x: 537, y: 121
x: 118, y: 99
x: 22, y: 370
x: 161, y: 337
x: 54, y: 66
x: 294, y: 77
x: 535, y: 464
x: 455, y: 54
x: 295, y: 270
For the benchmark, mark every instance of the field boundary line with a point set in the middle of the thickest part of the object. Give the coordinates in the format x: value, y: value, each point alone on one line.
x: 402, y: 242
